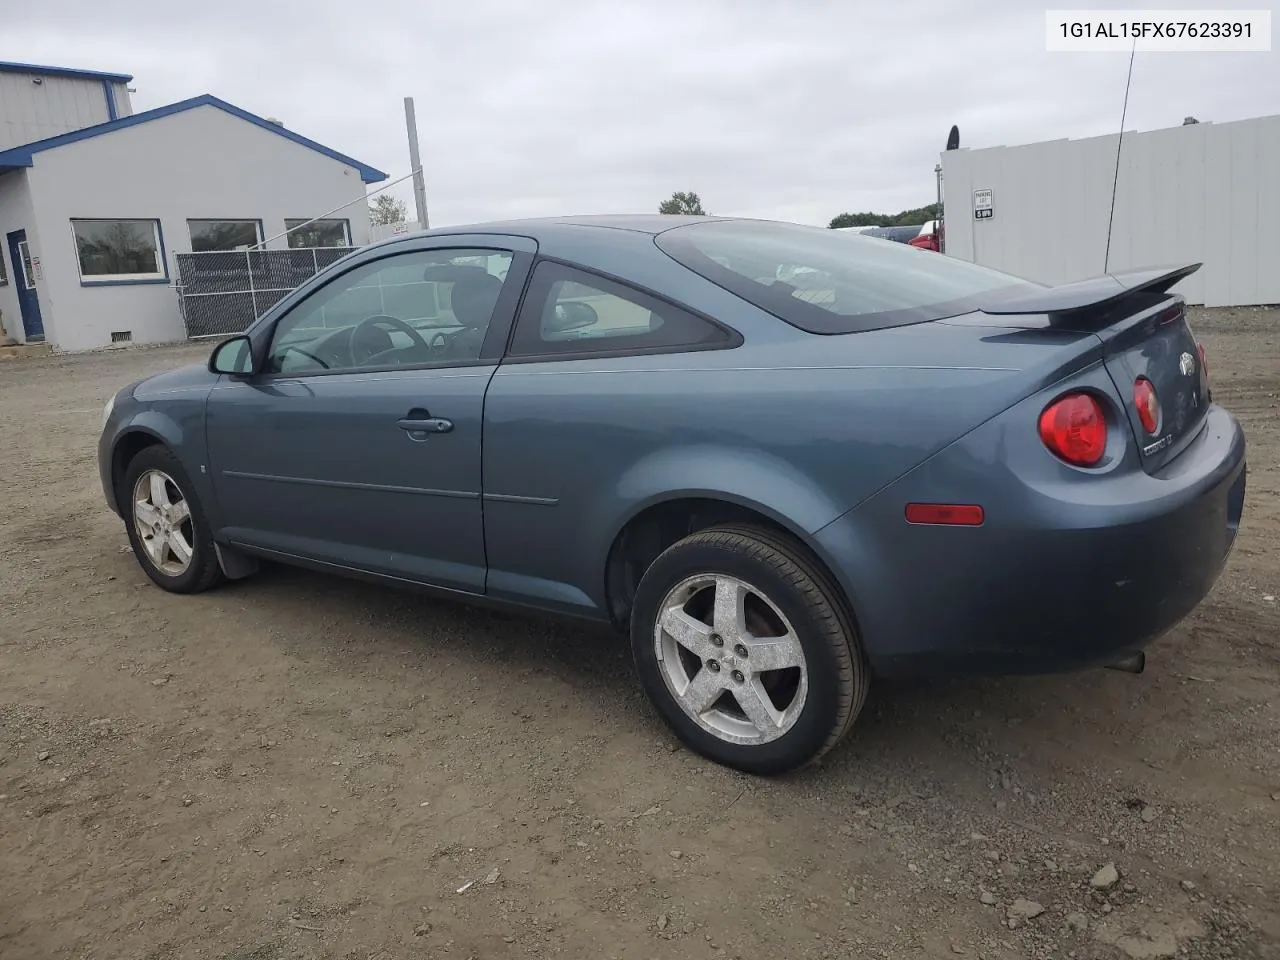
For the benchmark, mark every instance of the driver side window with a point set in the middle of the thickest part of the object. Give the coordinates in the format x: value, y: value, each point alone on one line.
x: 426, y: 307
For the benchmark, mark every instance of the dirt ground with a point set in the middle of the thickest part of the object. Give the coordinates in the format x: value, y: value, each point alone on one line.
x: 298, y: 766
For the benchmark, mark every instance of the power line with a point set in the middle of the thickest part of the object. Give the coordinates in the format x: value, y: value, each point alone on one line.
x: 365, y: 198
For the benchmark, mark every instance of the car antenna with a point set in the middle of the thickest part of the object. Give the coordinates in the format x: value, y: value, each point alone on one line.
x: 1111, y: 217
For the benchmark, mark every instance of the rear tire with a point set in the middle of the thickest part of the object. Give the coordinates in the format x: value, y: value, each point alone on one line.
x: 166, y: 522
x: 768, y: 674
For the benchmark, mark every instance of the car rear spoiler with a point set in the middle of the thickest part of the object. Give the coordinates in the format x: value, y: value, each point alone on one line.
x: 1093, y: 301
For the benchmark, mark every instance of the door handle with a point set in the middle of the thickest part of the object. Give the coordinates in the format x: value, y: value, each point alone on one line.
x: 425, y: 425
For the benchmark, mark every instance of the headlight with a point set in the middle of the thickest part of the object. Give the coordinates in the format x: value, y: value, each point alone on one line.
x: 106, y: 411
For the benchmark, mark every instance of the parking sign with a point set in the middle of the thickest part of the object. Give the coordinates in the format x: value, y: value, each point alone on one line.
x: 982, y: 208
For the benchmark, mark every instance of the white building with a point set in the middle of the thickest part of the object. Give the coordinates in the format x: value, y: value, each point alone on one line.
x: 95, y: 200
x: 1197, y: 193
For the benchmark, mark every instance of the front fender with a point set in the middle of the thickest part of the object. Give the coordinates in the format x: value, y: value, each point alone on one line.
x: 179, y: 425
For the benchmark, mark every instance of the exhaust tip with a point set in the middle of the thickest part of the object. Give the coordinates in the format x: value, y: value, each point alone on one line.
x: 1135, y: 663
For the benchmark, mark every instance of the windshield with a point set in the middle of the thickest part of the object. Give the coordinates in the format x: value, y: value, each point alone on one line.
x: 832, y: 281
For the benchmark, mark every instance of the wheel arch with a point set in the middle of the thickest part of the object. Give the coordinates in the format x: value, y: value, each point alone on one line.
x: 128, y: 444
x: 650, y: 527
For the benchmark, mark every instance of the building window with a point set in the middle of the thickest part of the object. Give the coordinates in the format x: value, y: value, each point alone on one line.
x: 209, y: 235
x: 115, y: 250
x: 319, y: 233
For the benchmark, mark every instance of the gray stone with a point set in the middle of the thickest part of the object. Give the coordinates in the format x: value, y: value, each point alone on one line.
x: 1152, y: 941
x: 1025, y: 909
x: 1105, y: 878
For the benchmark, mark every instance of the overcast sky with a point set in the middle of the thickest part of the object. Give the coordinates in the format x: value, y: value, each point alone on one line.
x: 793, y: 110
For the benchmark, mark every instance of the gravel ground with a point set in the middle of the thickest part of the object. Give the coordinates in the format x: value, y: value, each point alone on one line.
x: 299, y: 766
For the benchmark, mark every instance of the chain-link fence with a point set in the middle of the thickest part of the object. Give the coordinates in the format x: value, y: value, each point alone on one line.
x: 221, y: 292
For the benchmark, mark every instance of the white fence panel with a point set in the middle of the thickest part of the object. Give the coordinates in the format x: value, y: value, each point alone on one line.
x: 1202, y: 192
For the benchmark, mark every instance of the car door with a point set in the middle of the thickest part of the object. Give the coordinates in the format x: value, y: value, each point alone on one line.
x: 356, y: 443
x: 593, y: 372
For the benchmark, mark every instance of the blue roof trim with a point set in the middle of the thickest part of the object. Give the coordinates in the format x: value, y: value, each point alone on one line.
x: 7, y: 66
x: 112, y: 113
x: 23, y: 156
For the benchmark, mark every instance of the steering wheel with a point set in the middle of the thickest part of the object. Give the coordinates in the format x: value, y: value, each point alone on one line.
x: 382, y: 320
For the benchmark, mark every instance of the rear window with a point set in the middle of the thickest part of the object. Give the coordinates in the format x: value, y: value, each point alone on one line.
x: 832, y: 281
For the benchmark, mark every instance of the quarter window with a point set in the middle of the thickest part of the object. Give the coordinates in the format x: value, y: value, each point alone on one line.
x: 425, y: 308
x: 209, y: 235
x: 318, y: 233
x: 569, y: 311
x: 109, y: 250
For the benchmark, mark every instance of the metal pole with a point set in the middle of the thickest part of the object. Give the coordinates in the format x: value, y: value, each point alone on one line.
x: 419, y: 181
x: 937, y: 173
x: 253, y: 294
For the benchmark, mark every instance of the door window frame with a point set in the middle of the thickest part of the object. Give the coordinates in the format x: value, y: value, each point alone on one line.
x: 533, y: 304
x: 27, y: 265
x: 522, y: 251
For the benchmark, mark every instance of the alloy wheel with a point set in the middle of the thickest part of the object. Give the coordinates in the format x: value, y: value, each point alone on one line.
x: 731, y: 659
x: 162, y: 521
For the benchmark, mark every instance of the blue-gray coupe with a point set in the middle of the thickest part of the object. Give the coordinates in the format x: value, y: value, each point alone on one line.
x: 784, y: 459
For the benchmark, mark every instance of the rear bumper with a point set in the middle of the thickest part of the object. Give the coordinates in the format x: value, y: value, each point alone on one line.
x: 1067, y: 571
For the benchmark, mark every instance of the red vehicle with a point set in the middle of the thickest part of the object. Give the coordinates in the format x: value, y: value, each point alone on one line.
x: 929, y: 237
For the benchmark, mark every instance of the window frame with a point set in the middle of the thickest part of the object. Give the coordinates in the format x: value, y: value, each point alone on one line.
x: 518, y: 270
x: 533, y: 302
x: 121, y: 279
x: 299, y: 221
x: 256, y: 221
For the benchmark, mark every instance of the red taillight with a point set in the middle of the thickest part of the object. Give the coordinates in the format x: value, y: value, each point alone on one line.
x: 1075, y: 428
x: 950, y: 514
x: 1144, y: 398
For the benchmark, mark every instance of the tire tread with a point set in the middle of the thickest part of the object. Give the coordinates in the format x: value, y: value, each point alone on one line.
x: 208, y: 572
x: 824, y: 600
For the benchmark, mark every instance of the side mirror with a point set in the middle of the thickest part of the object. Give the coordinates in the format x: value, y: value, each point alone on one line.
x: 233, y: 357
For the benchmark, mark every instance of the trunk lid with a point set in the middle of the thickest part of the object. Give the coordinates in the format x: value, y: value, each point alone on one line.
x: 1158, y: 344
x: 1145, y: 333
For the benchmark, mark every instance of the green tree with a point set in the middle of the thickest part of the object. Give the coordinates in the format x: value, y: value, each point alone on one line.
x: 687, y: 204
x: 904, y: 219
x: 386, y: 209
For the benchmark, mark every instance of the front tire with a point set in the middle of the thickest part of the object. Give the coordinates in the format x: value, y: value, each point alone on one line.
x: 745, y: 650
x: 167, y: 526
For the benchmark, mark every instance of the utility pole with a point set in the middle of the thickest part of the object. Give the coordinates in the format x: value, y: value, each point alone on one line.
x: 415, y: 164
x: 942, y: 237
